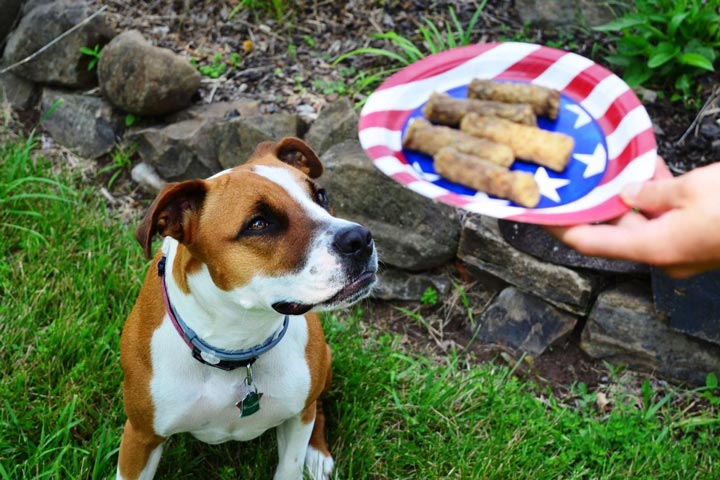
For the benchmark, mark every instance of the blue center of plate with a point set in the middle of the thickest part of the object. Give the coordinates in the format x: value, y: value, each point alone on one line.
x: 585, y: 169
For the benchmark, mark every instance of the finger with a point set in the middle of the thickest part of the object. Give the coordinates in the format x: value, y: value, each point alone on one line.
x: 654, y: 196
x: 630, y: 220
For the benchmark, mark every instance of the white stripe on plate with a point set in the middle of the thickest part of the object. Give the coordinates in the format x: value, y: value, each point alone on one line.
x: 563, y: 71
x: 390, y: 165
x: 413, y: 94
x: 378, y: 136
x: 426, y: 189
x: 603, y: 95
x: 630, y: 126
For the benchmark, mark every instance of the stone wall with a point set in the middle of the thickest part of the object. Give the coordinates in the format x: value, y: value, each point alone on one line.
x: 540, y: 290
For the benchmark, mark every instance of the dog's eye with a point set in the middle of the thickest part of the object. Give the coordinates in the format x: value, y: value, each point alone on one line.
x: 321, y: 197
x: 258, y: 224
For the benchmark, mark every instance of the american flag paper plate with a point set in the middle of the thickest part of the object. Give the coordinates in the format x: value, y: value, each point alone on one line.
x: 614, y: 140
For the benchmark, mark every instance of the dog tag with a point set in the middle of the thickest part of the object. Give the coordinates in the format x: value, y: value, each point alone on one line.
x: 250, y: 404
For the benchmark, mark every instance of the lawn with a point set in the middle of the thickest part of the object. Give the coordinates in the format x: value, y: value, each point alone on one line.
x: 69, y: 273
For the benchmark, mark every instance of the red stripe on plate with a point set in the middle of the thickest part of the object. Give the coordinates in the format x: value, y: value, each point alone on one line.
x: 390, y: 119
x: 624, y: 104
x: 584, y: 83
x: 436, y: 64
x: 405, y: 178
x: 532, y: 66
x: 380, y: 151
x: 642, y: 143
x: 609, y: 209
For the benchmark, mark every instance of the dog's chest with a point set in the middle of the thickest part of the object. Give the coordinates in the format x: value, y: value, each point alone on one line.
x: 191, y: 397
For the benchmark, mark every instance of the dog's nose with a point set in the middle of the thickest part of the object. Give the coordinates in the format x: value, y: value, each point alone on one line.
x: 355, y: 241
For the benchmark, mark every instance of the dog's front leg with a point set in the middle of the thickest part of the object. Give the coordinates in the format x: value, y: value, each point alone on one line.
x: 293, y: 437
x: 140, y: 454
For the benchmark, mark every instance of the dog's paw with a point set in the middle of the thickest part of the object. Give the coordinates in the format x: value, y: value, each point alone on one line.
x: 319, y: 465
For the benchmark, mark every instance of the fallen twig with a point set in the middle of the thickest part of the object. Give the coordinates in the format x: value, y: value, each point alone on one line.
x: 701, y: 114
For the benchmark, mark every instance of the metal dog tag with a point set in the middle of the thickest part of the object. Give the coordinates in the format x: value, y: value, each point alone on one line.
x: 250, y: 402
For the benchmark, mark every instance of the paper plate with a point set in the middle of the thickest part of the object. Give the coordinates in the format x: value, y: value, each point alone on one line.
x: 614, y: 140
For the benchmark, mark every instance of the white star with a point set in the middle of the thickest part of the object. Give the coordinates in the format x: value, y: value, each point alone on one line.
x: 595, y: 162
x: 430, y: 177
x: 548, y: 185
x: 582, y: 116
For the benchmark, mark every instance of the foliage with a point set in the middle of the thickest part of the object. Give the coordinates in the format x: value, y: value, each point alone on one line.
x: 121, y: 162
x: 20, y: 188
x: 277, y: 8
x: 216, y: 68
x: 130, y: 120
x: 406, y: 51
x: 429, y: 297
x: 93, y: 53
x: 666, y: 43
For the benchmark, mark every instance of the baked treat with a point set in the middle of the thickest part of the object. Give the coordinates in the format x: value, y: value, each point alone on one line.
x: 427, y: 138
x: 544, y: 101
x: 549, y: 149
x: 446, y: 110
x: 474, y: 172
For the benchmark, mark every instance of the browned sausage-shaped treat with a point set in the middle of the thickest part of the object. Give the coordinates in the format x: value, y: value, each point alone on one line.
x: 424, y: 137
x: 446, y: 110
x: 474, y: 172
x: 549, y: 149
x: 544, y: 101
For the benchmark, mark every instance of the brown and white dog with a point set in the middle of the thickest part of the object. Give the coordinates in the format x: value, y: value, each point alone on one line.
x: 220, y: 325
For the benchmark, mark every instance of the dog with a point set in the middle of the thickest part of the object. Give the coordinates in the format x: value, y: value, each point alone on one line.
x: 223, y: 341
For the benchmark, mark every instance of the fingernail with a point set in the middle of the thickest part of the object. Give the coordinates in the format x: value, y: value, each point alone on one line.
x: 629, y: 192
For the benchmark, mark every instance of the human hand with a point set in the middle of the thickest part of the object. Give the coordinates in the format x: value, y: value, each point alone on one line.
x: 677, y: 227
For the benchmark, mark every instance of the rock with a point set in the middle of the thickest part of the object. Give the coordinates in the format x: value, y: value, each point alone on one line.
x: 86, y: 125
x: 144, y: 175
x: 396, y: 284
x: 145, y: 80
x: 693, y: 304
x: 595, y: 13
x: 546, y: 12
x: 200, y: 147
x: 21, y: 94
x: 336, y: 123
x: 61, y: 64
x: 623, y: 327
x: 533, y: 239
x: 226, y: 110
x: 555, y: 13
x: 523, y: 322
x: 9, y: 9
x: 240, y: 137
x: 411, y: 232
x: 30, y: 5
x: 483, y: 248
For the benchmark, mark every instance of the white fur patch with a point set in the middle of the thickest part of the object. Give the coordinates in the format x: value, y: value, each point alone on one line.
x: 319, y: 465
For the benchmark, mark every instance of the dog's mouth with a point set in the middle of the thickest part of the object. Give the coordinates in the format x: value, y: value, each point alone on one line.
x: 350, y: 293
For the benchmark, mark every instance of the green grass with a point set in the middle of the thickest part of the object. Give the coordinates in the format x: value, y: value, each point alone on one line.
x: 393, y: 413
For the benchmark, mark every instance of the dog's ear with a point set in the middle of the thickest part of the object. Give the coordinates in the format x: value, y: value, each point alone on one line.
x: 174, y: 213
x: 298, y: 154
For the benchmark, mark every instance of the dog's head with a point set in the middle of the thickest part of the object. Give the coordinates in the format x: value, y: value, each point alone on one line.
x: 265, y: 233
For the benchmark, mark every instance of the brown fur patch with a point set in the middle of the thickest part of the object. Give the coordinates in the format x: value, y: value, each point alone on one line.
x: 184, y: 265
x: 233, y: 258
x: 146, y: 316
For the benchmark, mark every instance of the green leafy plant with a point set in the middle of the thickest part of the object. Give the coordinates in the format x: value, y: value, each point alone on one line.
x: 275, y: 7
x: 216, y: 68
x: 93, y: 53
x: 429, y: 297
x: 121, y: 162
x: 130, y: 120
x: 666, y: 44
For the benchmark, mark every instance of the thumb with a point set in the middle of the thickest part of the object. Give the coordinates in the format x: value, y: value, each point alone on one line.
x: 653, y: 196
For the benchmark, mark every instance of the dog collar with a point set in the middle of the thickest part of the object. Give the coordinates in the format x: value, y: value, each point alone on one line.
x: 206, y: 353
